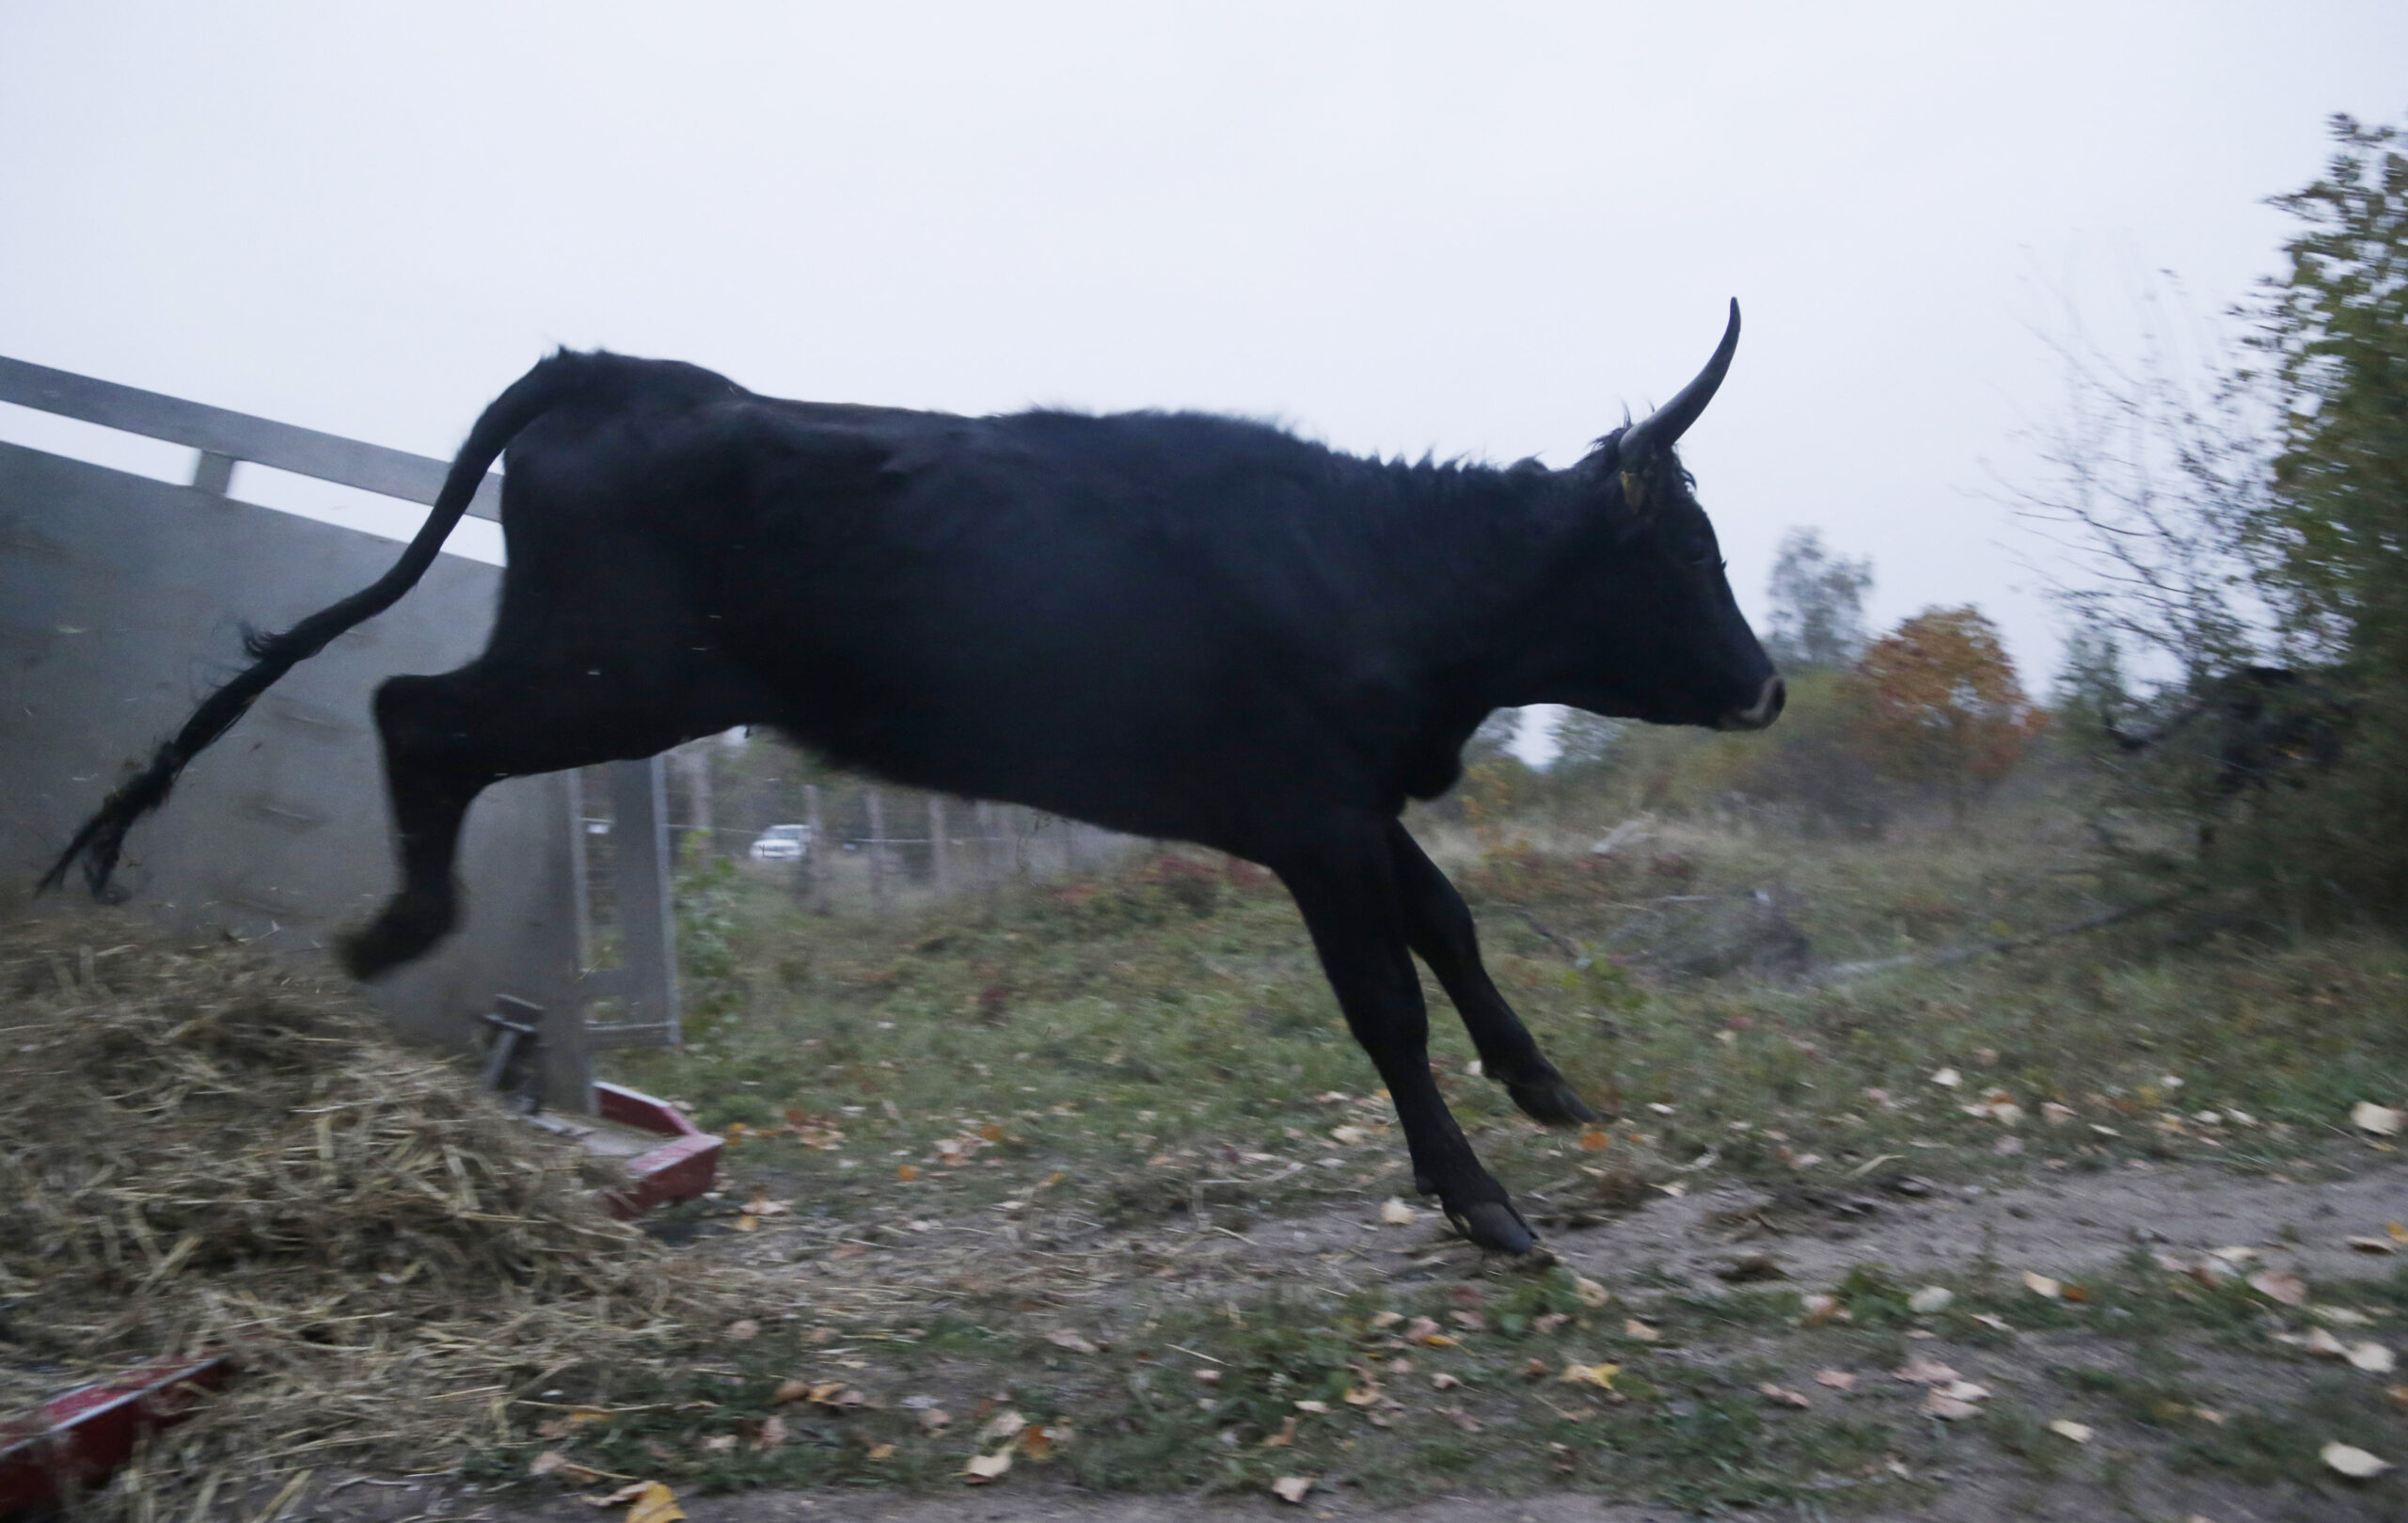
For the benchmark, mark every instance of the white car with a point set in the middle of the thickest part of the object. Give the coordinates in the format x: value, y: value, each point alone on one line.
x: 783, y: 843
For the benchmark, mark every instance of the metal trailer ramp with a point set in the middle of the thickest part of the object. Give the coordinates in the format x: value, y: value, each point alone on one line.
x: 123, y: 600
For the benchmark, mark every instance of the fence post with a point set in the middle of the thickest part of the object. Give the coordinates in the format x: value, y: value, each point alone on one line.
x: 982, y: 819
x: 810, y: 870
x: 694, y: 760
x: 940, y: 849
x: 877, y: 849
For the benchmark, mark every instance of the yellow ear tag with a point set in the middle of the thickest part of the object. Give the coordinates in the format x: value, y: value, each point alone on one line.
x: 1634, y: 491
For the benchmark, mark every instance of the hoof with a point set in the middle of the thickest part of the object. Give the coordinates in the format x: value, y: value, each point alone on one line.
x: 385, y: 944
x: 1551, y: 1103
x: 1494, y: 1226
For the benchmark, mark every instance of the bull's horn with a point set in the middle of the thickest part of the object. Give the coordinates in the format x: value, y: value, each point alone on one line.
x: 1667, y: 423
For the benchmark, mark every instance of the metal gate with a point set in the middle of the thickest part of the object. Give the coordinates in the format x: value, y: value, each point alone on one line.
x: 122, y: 602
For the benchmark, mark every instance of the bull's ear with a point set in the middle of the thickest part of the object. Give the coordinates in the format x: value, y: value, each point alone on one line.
x: 1633, y: 485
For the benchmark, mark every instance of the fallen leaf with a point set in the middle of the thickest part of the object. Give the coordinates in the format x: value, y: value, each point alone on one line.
x: 1590, y: 1292
x: 773, y: 1431
x: 1285, y: 1436
x: 1966, y: 1390
x: 1947, y: 1078
x: 1921, y: 1372
x: 2377, y: 1120
x: 1004, y: 1424
x: 2040, y: 1284
x: 2398, y: 1230
x: 547, y: 1461
x: 1836, y: 1379
x: 1395, y: 1213
x: 2373, y: 1358
x: 2324, y: 1345
x: 985, y: 1468
x: 2068, y: 1428
x: 906, y: 1172
x: 1947, y: 1408
x: 719, y: 1443
x: 1314, y: 1405
x: 2233, y: 1255
x: 1601, y: 1375
x: 1633, y: 1328
x: 743, y: 1328
x: 1676, y: 1189
x: 1550, y: 1321
x: 624, y: 1493
x: 1784, y: 1398
x: 748, y: 1223
x: 1291, y: 1488
x: 2373, y: 1245
x: 1471, y: 1321
x: 1931, y: 1298
x: 1066, y: 1338
x: 2340, y: 1316
x: 1818, y: 1307
x: 1996, y: 1324
x: 1595, y: 1139
x: 2277, y: 1285
x: 1419, y: 1329
x: 2397, y: 1395
x: 1386, y: 1319
x: 790, y: 1390
x: 655, y: 1503
x: 1443, y: 1381
x: 877, y: 1452
x: 2054, y: 1114
x: 2354, y: 1462
x: 935, y: 1420
x: 1361, y: 1395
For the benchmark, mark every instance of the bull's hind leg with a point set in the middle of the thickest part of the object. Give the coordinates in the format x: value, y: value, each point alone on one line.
x: 1442, y: 933
x: 447, y: 739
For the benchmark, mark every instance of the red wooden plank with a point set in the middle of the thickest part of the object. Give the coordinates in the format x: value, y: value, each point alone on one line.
x: 681, y: 1169
x: 78, y: 1439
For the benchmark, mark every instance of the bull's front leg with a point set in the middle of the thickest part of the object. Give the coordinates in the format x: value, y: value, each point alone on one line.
x: 1344, y: 880
x: 1439, y: 926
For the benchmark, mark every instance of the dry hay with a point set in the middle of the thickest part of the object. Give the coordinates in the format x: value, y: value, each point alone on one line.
x: 203, y: 1149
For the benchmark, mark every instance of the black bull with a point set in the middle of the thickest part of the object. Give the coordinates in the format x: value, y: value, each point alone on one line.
x: 1176, y: 626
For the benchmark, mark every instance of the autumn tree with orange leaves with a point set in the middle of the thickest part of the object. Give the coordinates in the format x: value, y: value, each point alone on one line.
x: 1946, y: 708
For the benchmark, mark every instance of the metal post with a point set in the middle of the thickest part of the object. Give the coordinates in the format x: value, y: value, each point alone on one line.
x: 580, y: 884
x: 640, y: 881
x: 940, y: 849
x: 561, y: 1047
x: 990, y: 876
x: 877, y: 851
x: 213, y: 472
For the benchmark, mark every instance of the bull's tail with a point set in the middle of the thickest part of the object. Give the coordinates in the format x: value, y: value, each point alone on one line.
x: 100, y: 841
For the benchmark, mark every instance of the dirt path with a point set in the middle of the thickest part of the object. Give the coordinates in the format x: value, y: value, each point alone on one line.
x: 2071, y: 1227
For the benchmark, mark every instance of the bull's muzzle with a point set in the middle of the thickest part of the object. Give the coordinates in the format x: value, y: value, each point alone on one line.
x: 1766, y: 709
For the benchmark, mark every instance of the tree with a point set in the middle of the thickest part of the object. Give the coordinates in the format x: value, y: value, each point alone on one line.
x: 2093, y: 699
x: 1817, y: 604
x: 1946, y: 708
x: 2336, y: 330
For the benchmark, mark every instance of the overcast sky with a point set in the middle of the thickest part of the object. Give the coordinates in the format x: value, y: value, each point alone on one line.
x: 1478, y: 229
